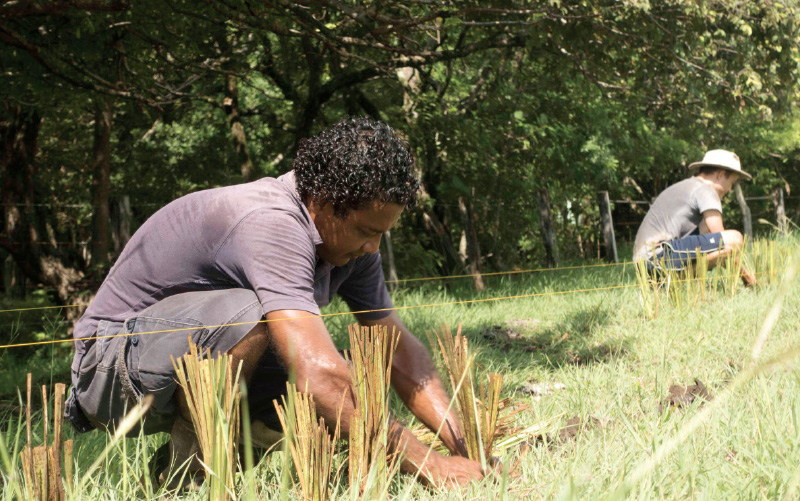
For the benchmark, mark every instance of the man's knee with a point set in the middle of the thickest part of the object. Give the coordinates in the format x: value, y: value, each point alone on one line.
x: 732, y: 238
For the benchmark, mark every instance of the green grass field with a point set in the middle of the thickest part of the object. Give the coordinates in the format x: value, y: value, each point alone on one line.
x: 616, y: 367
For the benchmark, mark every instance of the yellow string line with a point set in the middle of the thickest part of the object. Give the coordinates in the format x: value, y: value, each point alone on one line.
x: 508, y: 272
x: 45, y: 307
x: 390, y: 281
x: 396, y: 308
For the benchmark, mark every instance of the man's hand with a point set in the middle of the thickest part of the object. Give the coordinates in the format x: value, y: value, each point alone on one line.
x: 450, y: 471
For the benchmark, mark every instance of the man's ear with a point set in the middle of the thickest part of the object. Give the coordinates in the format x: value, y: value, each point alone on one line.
x: 315, y: 207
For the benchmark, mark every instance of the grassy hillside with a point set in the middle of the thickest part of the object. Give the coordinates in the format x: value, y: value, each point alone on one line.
x: 616, y: 367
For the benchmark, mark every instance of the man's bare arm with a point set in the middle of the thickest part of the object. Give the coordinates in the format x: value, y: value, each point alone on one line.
x: 712, y: 222
x: 418, y: 384
x: 305, y: 345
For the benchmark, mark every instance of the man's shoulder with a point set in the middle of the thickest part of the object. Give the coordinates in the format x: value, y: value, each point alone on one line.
x: 684, y: 191
x: 239, y: 201
x: 688, y: 185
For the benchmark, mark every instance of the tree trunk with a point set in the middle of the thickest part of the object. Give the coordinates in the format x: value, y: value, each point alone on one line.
x: 19, y: 135
x: 432, y: 222
x: 392, y: 281
x: 473, y: 249
x: 121, y: 222
x: 546, y: 222
x: 101, y: 182
x: 232, y: 112
x: 746, y: 217
x: 607, y: 224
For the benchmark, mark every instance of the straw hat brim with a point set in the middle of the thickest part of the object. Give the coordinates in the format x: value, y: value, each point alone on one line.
x: 696, y: 166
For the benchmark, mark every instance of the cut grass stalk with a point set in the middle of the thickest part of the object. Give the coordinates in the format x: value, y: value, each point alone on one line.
x: 311, y: 446
x: 371, y: 466
x: 212, y: 394
x: 247, y: 442
x: 647, y: 290
x: 41, y: 465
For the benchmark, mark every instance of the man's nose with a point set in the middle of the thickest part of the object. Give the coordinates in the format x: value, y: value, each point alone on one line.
x: 372, y: 245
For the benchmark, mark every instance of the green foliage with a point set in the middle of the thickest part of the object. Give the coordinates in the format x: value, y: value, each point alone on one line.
x: 496, y: 102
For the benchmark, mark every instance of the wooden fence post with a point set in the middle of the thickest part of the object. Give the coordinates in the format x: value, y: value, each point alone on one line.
x: 387, y: 240
x: 748, y: 219
x: 780, y: 210
x: 8, y: 275
x: 546, y: 222
x: 607, y: 224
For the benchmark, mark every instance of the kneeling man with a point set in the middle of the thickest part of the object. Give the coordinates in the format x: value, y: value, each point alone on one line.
x: 686, y: 219
x: 244, y: 270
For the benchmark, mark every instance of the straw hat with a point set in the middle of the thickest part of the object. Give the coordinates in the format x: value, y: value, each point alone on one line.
x: 722, y: 159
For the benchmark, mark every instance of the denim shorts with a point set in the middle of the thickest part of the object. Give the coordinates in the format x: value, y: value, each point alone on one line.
x: 117, y: 372
x: 679, y: 253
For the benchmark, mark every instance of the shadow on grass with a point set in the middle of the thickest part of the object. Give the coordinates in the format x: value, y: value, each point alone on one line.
x: 569, y: 342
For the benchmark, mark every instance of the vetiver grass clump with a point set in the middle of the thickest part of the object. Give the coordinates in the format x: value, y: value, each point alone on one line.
x: 310, y: 444
x: 478, y: 406
x: 695, y: 285
x: 371, y: 466
x: 212, y: 393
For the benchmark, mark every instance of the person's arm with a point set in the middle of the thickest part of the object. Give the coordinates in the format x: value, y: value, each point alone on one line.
x: 712, y: 222
x: 417, y: 382
x: 305, y: 345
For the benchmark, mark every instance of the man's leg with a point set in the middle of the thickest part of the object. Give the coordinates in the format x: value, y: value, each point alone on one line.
x: 184, y: 447
x: 716, y: 247
x: 119, y: 371
x: 734, y: 242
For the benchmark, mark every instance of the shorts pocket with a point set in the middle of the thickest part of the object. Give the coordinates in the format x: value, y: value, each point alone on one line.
x: 155, y: 341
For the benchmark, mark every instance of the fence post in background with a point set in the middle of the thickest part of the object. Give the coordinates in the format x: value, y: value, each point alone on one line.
x: 780, y: 210
x: 546, y: 222
x: 387, y: 240
x: 608, y: 226
x: 473, y: 263
x: 748, y: 219
x: 8, y: 275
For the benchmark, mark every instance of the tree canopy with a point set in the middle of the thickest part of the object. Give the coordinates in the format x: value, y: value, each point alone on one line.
x: 105, y: 101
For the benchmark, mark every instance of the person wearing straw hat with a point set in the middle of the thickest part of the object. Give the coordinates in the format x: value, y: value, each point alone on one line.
x: 685, y: 220
x: 244, y: 270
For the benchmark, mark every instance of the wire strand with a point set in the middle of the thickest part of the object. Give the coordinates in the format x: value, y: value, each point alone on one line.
x: 418, y: 279
x: 396, y: 308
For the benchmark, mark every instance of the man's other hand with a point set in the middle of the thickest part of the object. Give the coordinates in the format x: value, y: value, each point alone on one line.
x: 451, y: 471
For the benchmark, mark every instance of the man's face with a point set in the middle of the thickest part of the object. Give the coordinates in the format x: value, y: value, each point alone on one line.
x: 357, y: 234
x: 726, y: 180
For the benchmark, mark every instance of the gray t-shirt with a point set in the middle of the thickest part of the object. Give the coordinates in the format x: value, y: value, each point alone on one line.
x: 256, y: 236
x: 676, y: 213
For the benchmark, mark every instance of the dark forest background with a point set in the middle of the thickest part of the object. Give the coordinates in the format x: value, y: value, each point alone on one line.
x: 111, y: 109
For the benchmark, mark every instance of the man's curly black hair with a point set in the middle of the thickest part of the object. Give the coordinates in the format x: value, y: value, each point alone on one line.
x: 355, y: 162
